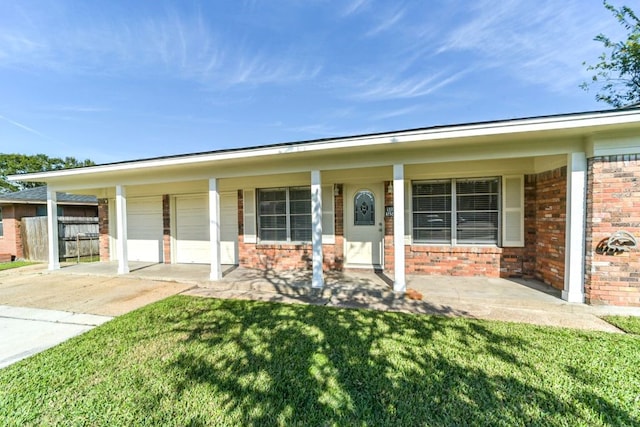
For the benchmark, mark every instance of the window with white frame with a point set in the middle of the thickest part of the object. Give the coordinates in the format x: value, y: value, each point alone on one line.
x: 1, y: 227
x: 456, y: 211
x: 284, y: 214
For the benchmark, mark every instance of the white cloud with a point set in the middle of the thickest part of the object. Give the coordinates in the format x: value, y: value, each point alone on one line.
x: 395, y: 113
x: 178, y: 45
x: 257, y: 69
x: 387, y: 21
x: 544, y: 42
x: 398, y: 87
x: 22, y: 126
x: 355, y: 6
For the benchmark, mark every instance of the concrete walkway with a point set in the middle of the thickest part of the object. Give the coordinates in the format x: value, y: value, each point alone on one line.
x: 27, y: 331
x: 519, y: 300
x: 515, y: 300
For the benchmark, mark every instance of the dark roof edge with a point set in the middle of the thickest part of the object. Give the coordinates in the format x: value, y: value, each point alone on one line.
x: 337, y: 139
x: 341, y: 138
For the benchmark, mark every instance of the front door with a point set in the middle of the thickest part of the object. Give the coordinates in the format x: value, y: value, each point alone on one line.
x: 364, y: 226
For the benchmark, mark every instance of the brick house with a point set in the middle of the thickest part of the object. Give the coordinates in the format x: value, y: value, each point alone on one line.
x: 30, y: 203
x: 533, y: 197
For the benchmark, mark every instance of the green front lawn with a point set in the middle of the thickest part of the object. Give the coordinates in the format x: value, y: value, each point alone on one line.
x: 629, y: 324
x: 190, y: 361
x: 14, y: 264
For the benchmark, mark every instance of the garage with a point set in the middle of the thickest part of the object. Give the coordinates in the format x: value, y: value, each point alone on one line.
x: 144, y: 229
x: 192, y: 229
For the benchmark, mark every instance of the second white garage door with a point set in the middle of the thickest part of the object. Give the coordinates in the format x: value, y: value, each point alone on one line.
x: 192, y: 229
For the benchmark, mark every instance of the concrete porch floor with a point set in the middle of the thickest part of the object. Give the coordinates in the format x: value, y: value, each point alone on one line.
x: 516, y: 300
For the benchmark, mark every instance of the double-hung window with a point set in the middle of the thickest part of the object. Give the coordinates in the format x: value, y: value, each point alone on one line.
x: 456, y: 211
x: 284, y: 214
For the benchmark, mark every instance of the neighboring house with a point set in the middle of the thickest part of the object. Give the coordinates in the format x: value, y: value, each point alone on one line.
x: 33, y: 202
x: 534, y: 197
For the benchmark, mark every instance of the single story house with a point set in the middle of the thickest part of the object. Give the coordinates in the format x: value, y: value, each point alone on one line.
x: 541, y: 197
x: 30, y: 203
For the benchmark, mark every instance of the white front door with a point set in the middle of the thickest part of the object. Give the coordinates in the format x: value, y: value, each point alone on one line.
x: 364, y: 226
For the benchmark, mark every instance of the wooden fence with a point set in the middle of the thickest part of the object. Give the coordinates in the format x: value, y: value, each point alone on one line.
x: 77, y: 237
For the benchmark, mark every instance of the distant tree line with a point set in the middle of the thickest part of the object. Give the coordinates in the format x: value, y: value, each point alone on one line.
x: 11, y: 164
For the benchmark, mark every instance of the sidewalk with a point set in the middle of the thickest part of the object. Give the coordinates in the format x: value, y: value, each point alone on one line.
x: 27, y: 331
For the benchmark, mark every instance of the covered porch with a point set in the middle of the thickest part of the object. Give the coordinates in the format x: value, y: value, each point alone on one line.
x: 517, y: 300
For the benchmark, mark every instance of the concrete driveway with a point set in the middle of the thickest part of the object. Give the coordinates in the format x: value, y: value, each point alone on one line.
x: 40, y: 309
x: 36, y: 287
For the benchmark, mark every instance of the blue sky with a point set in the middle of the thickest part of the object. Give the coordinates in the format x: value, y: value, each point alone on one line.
x: 118, y: 80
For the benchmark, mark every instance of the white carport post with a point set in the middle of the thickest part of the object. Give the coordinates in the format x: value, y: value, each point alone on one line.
x: 121, y: 220
x: 52, y: 228
x: 317, y: 280
x: 214, y: 229
x: 399, y: 281
x: 575, y: 228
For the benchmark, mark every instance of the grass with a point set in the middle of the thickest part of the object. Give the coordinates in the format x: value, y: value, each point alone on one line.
x: 629, y: 324
x: 14, y: 264
x: 190, y: 361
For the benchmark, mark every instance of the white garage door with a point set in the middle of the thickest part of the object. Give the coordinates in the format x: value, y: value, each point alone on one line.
x: 192, y: 229
x: 144, y: 229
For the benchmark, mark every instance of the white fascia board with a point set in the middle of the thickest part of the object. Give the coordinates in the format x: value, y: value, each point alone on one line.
x: 555, y: 123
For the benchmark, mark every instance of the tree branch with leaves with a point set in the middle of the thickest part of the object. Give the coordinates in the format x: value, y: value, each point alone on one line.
x: 617, y: 74
x: 11, y: 164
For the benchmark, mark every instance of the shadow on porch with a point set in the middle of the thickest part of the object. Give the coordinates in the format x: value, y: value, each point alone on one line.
x: 516, y: 300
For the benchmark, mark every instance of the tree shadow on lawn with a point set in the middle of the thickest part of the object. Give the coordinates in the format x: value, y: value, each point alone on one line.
x: 265, y: 364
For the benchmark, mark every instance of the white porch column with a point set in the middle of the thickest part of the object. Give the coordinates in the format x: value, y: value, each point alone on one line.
x: 399, y: 282
x: 52, y: 228
x: 121, y: 221
x: 214, y: 229
x: 575, y: 228
x: 316, y: 229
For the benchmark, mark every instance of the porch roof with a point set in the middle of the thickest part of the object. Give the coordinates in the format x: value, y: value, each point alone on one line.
x: 540, y: 129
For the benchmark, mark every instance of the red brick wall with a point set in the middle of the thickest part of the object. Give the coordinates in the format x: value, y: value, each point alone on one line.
x: 166, y: 229
x: 11, y: 242
x: 453, y: 261
x: 283, y: 256
x: 338, y: 205
x: 528, y: 253
x: 389, y: 254
x: 8, y: 239
x: 551, y: 208
x: 613, y: 203
x: 103, y: 228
